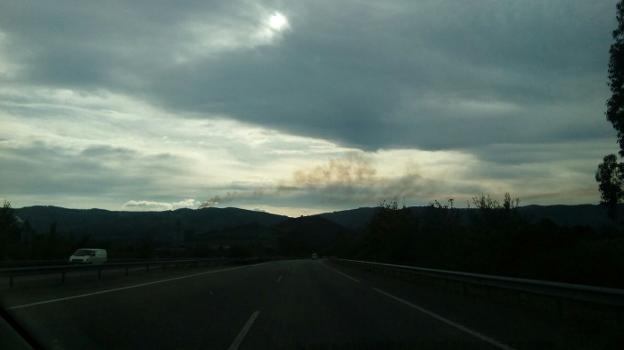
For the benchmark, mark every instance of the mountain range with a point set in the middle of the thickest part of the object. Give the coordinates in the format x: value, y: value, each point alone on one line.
x: 107, y: 224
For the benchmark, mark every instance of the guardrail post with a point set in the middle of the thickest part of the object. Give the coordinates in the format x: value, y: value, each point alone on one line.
x: 559, y: 309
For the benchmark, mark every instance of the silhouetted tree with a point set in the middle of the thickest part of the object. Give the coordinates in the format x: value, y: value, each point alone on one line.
x: 493, y: 237
x: 609, y: 177
x: 389, y: 232
x: 615, y: 104
x: 609, y: 174
x: 484, y: 202
x: 8, y: 228
x: 51, y: 242
x: 27, y: 233
x: 510, y: 203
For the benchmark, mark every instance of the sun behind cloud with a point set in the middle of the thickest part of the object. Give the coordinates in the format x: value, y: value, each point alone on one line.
x: 278, y: 21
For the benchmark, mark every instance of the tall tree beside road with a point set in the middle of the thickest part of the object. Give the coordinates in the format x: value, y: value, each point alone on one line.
x: 8, y: 228
x: 615, y: 104
x: 609, y: 174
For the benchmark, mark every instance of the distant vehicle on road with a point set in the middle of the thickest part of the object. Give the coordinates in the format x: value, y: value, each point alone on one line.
x: 314, y: 256
x: 89, y: 256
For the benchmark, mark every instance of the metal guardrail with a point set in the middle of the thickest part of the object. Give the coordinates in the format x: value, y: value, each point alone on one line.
x: 23, y: 263
x: 607, y: 296
x: 63, y: 270
x: 49, y: 262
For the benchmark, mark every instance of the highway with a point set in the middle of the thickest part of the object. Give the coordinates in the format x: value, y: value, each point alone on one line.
x: 294, y: 304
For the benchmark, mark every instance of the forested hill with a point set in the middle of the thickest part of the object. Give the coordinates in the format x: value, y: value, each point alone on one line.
x: 100, y: 223
x: 591, y: 215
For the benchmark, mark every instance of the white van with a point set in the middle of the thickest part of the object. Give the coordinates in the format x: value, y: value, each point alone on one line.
x: 89, y: 256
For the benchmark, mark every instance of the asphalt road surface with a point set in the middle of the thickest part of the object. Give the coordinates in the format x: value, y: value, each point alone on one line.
x: 295, y: 304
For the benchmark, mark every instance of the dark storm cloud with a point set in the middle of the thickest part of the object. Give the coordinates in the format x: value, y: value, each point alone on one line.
x: 422, y: 74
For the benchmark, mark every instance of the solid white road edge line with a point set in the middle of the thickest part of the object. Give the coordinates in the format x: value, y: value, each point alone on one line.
x: 447, y: 321
x: 241, y: 336
x: 342, y: 273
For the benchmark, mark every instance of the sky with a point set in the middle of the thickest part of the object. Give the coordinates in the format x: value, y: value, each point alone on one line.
x: 300, y: 107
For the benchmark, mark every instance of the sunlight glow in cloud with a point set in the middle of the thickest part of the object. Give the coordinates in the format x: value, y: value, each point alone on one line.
x: 272, y: 28
x: 278, y: 21
x: 211, y: 37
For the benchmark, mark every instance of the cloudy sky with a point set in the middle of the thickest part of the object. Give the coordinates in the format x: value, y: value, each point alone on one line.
x: 298, y: 107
